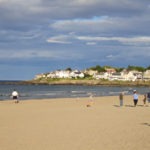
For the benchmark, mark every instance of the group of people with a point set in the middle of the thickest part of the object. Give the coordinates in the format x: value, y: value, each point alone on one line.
x: 135, y: 98
x: 15, y: 96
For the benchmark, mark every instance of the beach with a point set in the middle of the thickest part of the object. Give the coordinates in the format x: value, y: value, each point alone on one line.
x: 68, y: 124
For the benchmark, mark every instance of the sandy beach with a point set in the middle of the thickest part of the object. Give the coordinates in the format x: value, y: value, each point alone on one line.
x: 68, y: 124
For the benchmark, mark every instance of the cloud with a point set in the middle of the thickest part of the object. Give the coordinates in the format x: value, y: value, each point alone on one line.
x: 58, y: 9
x: 78, y: 32
x: 145, y: 41
x: 61, y: 39
x: 105, y: 25
x: 133, y: 41
x: 91, y: 43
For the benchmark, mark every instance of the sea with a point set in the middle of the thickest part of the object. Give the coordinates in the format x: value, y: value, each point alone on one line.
x: 38, y: 91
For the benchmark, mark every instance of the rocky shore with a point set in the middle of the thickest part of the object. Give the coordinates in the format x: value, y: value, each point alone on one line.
x: 79, y: 82
x: 88, y: 82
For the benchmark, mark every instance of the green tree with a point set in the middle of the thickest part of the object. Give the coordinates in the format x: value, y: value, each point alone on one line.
x: 98, y: 68
x: 68, y: 69
x: 138, y: 68
x: 119, y: 69
x: 148, y: 68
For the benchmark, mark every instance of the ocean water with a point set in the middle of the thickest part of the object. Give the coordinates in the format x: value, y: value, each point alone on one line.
x: 64, y: 91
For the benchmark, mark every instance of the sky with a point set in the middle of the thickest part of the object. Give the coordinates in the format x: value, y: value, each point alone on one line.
x: 40, y: 36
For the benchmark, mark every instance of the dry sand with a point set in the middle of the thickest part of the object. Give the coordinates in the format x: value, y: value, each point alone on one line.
x: 68, y: 124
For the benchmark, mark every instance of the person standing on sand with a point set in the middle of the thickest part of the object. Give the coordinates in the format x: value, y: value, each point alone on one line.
x: 15, y: 96
x: 148, y: 97
x: 135, y: 98
x: 121, y: 98
x: 144, y: 99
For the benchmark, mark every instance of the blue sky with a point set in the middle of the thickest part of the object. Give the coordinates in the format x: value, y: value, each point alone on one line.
x: 39, y: 36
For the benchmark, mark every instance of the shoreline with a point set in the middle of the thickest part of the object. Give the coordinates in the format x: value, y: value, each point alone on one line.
x: 77, y: 82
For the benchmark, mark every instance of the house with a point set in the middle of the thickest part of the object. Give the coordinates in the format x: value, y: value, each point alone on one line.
x: 123, y: 76
x: 110, y: 70
x: 129, y: 76
x: 65, y: 74
x: 110, y: 74
x: 138, y: 75
x: 62, y: 74
x: 146, y: 75
x: 76, y: 74
x: 102, y: 75
x: 91, y: 72
x: 38, y: 76
x: 51, y: 75
x: 116, y: 76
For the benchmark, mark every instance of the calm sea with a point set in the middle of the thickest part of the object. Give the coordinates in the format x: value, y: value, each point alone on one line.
x: 64, y: 91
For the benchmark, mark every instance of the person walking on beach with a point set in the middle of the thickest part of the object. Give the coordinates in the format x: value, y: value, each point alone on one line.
x: 135, y: 98
x: 148, y: 97
x: 15, y: 96
x: 121, y: 98
x: 144, y: 99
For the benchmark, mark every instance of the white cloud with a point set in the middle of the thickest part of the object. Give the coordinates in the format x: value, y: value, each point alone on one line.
x: 91, y: 43
x: 80, y: 25
x: 60, y: 39
x: 93, y: 40
x: 105, y: 25
x: 125, y: 40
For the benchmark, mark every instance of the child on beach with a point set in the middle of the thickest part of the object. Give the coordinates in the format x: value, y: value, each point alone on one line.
x: 90, y: 102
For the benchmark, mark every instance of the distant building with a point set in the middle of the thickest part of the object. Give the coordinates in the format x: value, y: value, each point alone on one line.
x: 76, y: 74
x: 110, y: 74
x: 91, y: 72
x: 38, y: 76
x: 110, y: 70
x: 146, y: 75
x: 102, y: 75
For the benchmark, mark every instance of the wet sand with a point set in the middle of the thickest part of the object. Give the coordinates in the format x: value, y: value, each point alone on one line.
x: 68, y: 124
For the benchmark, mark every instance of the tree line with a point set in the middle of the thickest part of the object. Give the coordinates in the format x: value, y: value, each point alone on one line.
x: 118, y: 69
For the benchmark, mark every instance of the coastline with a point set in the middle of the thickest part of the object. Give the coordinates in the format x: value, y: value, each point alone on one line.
x: 67, y: 123
x: 89, y: 82
x: 79, y: 82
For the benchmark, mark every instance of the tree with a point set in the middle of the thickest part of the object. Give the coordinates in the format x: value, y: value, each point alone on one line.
x: 138, y: 68
x: 119, y: 69
x: 68, y: 69
x: 98, y: 68
x: 148, y: 68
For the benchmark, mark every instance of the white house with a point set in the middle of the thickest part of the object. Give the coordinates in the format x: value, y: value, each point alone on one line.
x: 146, y: 75
x: 76, y: 73
x: 103, y: 75
x: 62, y: 74
x: 116, y: 76
x: 123, y: 76
x: 38, y: 76
x: 91, y: 72
x: 110, y: 75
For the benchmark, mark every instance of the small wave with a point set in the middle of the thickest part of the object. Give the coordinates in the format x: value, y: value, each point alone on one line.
x: 114, y: 92
x: 78, y: 92
x: 118, y: 92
